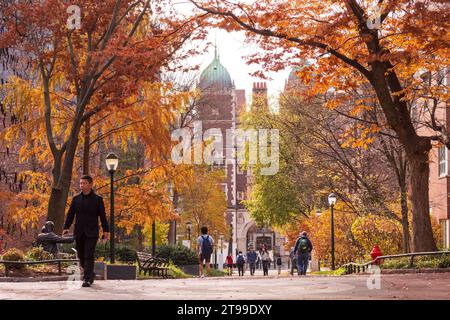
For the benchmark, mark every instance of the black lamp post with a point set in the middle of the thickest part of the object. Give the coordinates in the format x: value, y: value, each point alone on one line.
x: 189, y: 227
x: 112, y: 162
x: 221, y: 244
x: 332, y: 202
x: 153, y: 238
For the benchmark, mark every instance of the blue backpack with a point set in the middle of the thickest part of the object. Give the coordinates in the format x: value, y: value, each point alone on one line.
x: 240, y: 259
x: 206, y: 246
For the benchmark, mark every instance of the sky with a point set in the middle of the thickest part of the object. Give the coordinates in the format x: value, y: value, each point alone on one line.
x: 232, y: 48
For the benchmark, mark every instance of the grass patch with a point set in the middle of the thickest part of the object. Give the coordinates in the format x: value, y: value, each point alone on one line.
x: 337, y: 272
x: 216, y: 273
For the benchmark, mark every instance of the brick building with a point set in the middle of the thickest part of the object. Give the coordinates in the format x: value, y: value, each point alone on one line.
x: 219, y: 108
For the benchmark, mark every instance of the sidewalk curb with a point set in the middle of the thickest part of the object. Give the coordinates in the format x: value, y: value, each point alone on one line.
x: 38, y: 279
x: 404, y: 271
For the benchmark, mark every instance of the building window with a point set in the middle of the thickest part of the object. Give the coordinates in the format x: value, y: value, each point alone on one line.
x: 225, y: 189
x: 443, y: 161
x: 241, y: 195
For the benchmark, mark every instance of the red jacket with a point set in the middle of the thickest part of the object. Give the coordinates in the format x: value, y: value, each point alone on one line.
x: 229, y: 260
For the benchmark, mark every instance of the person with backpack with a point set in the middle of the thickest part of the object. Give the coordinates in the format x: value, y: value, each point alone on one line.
x: 230, y: 264
x: 252, y: 256
x: 265, y: 258
x: 205, y: 245
x: 240, y: 261
x: 279, y: 264
x: 303, y: 248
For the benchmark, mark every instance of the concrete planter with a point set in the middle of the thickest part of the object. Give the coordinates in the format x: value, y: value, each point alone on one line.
x: 120, y: 272
x: 192, y: 269
x: 100, y: 270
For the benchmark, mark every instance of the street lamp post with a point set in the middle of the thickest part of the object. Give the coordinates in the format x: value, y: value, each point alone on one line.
x: 112, y: 162
x: 154, y: 238
x: 221, y: 244
x: 332, y: 202
x: 189, y: 227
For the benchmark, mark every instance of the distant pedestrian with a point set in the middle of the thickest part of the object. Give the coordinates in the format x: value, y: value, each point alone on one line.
x: 279, y: 263
x: 230, y: 264
x: 240, y: 262
x: 303, y: 248
x: 265, y: 258
x: 252, y: 257
x: 205, y: 245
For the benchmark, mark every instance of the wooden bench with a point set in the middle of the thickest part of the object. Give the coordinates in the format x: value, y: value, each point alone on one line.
x: 12, y: 264
x: 152, y: 265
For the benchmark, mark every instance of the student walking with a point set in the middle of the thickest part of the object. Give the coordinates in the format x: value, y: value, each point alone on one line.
x: 279, y: 263
x: 86, y: 209
x: 230, y: 264
x: 252, y: 256
x: 205, y: 248
x: 240, y: 262
x: 303, y: 248
x: 265, y: 258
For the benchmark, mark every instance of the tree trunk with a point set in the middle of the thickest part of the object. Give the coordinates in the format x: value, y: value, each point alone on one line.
x: 60, y: 188
x: 86, y: 148
x: 140, y: 238
x: 57, y: 207
x: 422, y: 233
x: 405, y: 222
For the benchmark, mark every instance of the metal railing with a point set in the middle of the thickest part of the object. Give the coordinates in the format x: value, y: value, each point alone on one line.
x: 353, y: 267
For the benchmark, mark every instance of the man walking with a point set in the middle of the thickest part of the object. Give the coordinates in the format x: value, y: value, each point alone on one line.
x: 251, y: 260
x: 87, y: 207
x: 303, y: 248
x: 240, y: 261
x: 205, y: 248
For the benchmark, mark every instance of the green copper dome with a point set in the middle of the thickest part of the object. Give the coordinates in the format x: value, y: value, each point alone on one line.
x: 215, y: 76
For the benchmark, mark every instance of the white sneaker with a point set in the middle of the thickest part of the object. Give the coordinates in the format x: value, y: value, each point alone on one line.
x: 202, y: 276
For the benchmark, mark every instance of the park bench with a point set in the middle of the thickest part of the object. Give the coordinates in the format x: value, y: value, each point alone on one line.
x: 11, y: 264
x: 152, y: 265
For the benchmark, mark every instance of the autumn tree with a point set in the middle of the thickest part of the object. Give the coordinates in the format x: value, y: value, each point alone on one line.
x: 353, y: 47
x: 202, y: 200
x: 105, y: 64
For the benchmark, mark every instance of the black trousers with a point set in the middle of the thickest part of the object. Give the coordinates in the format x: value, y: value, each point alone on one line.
x: 265, y: 268
x: 252, y: 268
x: 241, y: 269
x: 86, y: 249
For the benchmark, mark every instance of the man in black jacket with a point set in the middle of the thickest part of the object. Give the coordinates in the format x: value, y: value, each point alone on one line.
x: 86, y: 208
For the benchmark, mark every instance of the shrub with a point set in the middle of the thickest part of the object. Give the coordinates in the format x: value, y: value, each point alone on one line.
x: 101, y: 251
x: 14, y: 254
x: 38, y: 254
x: 125, y: 254
x: 444, y: 262
x: 399, y: 263
x: 179, y: 255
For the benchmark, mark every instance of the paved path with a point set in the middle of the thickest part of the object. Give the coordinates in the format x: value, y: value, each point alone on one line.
x: 406, y: 286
